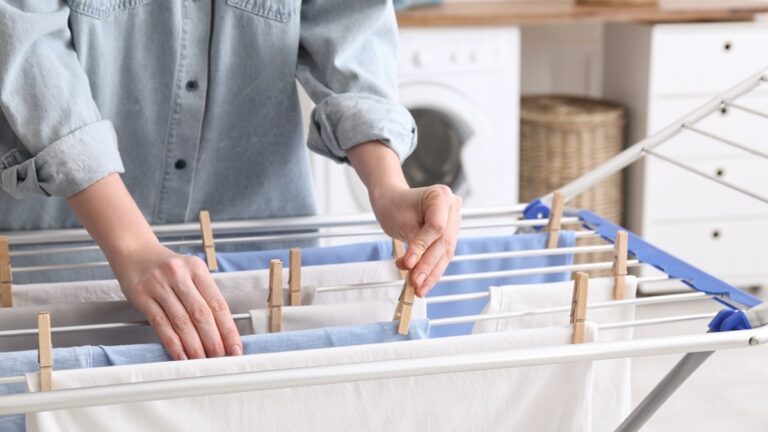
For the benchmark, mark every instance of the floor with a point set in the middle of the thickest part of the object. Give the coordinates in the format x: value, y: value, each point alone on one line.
x: 728, y: 392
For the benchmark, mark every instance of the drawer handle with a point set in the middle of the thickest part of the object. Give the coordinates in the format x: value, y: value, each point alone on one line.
x: 723, y: 109
x: 716, y: 234
x: 720, y: 172
x: 728, y: 46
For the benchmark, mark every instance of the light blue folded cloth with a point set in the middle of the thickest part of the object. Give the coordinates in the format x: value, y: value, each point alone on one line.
x: 312, y: 256
x: 382, y: 250
x: 20, y: 362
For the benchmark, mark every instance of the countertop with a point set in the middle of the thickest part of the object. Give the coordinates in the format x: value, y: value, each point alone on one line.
x: 492, y: 14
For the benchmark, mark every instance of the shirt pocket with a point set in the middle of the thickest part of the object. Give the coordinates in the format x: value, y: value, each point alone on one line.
x: 276, y: 10
x: 103, y: 8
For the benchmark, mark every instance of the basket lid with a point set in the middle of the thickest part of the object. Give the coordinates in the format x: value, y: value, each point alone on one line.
x: 569, y: 109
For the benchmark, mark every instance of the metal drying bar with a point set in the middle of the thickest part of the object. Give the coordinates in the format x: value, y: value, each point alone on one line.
x: 485, y: 275
x: 637, y: 151
x: 700, y: 173
x: 387, y: 369
x: 457, y: 258
x: 283, y: 237
x: 300, y: 223
x: 670, y: 298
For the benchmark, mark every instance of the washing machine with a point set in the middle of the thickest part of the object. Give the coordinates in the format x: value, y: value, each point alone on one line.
x: 462, y: 87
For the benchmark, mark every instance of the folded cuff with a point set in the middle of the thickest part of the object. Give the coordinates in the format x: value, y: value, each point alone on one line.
x: 341, y: 122
x: 65, y: 167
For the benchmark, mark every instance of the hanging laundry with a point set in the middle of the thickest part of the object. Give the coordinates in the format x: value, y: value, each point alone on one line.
x: 71, y: 314
x: 241, y: 281
x: 334, y: 314
x: 480, y: 245
x: 508, y: 399
x: 312, y: 256
x: 382, y: 250
x: 612, y: 385
x: 17, y: 363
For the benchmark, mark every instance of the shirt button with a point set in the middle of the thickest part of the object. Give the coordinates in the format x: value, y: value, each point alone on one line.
x: 180, y: 164
x: 191, y: 85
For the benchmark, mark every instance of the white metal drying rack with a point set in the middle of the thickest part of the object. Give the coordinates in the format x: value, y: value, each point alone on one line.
x: 697, y: 347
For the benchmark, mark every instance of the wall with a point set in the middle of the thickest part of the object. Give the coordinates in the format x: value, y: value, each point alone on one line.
x: 562, y: 59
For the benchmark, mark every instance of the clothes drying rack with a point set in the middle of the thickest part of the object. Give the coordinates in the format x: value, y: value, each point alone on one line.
x: 697, y: 347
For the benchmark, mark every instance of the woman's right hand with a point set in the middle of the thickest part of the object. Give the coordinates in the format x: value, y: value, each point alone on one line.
x: 176, y: 293
x: 181, y: 301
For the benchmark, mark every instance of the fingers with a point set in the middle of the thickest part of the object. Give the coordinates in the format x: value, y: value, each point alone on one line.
x: 187, y: 310
x: 438, y: 256
x: 181, y: 322
x: 436, y: 211
x: 197, y: 311
x: 162, y: 326
x: 227, y: 329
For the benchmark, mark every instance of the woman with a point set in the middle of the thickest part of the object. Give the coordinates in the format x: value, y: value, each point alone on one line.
x: 194, y: 102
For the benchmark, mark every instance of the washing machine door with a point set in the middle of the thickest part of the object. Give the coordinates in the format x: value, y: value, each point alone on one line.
x: 449, y: 125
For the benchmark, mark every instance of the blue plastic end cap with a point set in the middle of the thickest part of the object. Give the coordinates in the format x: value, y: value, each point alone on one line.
x: 730, y: 320
x: 536, y: 210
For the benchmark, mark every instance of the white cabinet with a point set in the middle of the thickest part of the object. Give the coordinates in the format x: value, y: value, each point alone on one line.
x: 662, y: 72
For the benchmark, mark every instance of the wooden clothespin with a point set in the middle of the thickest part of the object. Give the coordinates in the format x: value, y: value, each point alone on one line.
x: 405, y: 305
x: 579, y: 307
x: 620, y: 250
x: 206, y: 232
x: 6, y: 277
x: 555, y: 219
x: 294, y: 277
x: 45, y: 350
x: 398, y: 250
x: 275, y: 300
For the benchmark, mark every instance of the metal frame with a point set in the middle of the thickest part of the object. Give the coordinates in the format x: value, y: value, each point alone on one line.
x: 298, y: 377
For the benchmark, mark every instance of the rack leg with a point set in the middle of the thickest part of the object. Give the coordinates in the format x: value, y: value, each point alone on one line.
x: 663, y: 390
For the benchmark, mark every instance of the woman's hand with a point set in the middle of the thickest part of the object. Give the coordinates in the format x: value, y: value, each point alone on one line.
x: 181, y: 301
x: 176, y: 293
x: 427, y: 219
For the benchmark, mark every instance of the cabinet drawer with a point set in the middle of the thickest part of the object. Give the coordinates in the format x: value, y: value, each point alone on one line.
x: 742, y: 127
x: 675, y: 194
x: 734, y: 249
x: 705, y: 58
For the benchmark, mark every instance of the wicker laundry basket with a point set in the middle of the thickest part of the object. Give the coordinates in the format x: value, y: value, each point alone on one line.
x: 563, y: 137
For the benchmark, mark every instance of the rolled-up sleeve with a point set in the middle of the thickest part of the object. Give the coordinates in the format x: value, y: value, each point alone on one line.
x: 348, y: 66
x: 61, y: 145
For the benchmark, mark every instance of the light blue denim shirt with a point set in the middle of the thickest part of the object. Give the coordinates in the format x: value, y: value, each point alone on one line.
x: 194, y: 100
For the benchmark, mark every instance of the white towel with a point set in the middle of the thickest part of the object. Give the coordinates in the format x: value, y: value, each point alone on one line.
x: 70, y: 314
x: 540, y: 398
x: 312, y: 276
x: 330, y: 315
x: 612, y: 388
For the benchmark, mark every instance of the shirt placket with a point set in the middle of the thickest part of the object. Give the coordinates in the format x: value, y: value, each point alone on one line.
x: 185, y: 130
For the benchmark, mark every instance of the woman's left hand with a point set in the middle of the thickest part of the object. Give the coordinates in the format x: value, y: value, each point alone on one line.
x: 428, y: 220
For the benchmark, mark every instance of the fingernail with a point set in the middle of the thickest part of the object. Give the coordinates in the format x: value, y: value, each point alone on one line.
x: 419, y: 279
x: 182, y: 356
x: 236, y: 350
x: 411, y: 261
